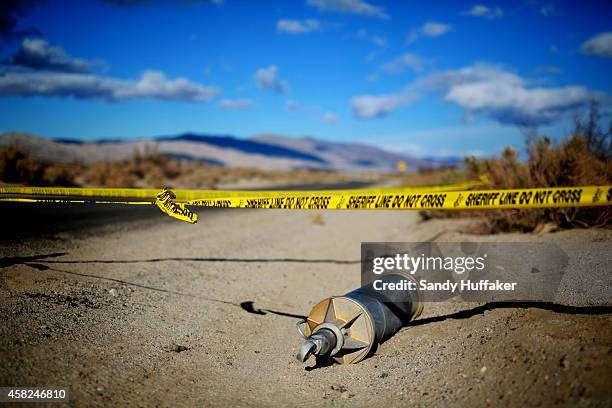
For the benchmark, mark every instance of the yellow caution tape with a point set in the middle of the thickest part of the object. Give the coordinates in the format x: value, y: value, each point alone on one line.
x: 406, y: 200
x: 98, y: 195
x: 417, y: 200
x: 176, y: 210
x: 453, y: 197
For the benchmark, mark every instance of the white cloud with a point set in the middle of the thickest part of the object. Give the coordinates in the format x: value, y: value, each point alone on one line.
x: 329, y: 117
x: 434, y: 29
x: 312, y: 111
x: 378, y: 106
x: 600, y: 45
x: 235, y: 104
x: 297, y: 26
x: 359, y: 7
x: 38, y: 54
x: 429, y: 29
x: 151, y: 85
x: 403, y: 62
x: 268, y: 79
x: 483, y: 90
x: 489, y: 91
x: 482, y: 11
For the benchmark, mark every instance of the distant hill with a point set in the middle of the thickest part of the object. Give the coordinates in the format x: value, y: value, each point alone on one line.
x: 246, y: 146
x: 349, y: 155
x: 264, y: 151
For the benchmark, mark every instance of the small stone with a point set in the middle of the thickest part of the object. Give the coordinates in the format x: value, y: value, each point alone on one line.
x: 563, y: 362
x: 483, y: 369
x: 178, y: 348
x: 339, y: 388
x: 113, y: 292
x: 383, y: 375
x: 346, y: 395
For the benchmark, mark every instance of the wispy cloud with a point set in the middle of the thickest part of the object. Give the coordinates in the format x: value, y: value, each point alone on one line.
x: 359, y: 7
x: 548, y: 9
x: 292, y: 106
x: 329, y: 117
x: 545, y: 8
x: 549, y: 69
x: 268, y: 80
x: 145, y: 2
x: 429, y: 29
x: 485, y: 90
x: 441, y: 142
x: 151, y: 85
x: 38, y: 54
x: 235, y: 104
x: 599, y: 45
x: 127, y: 2
x: 297, y: 26
x: 434, y: 29
x: 314, y: 111
x: 403, y: 62
x: 483, y: 11
x: 378, y: 106
x: 377, y: 40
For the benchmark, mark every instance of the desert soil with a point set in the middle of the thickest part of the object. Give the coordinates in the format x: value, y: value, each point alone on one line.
x: 154, y: 312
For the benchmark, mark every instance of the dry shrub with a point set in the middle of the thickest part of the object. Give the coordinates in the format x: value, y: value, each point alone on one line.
x: 584, y: 159
x: 153, y: 170
x: 434, y: 177
x: 17, y: 166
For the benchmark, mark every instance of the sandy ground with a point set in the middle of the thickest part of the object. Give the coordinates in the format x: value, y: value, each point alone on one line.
x: 154, y: 312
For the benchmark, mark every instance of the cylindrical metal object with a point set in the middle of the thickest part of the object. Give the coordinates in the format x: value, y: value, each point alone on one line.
x: 347, y: 328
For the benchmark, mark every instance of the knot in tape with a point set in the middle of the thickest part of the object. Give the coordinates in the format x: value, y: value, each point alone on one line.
x: 164, y: 200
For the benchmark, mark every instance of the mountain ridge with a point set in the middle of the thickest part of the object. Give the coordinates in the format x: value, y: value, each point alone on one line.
x: 270, y: 152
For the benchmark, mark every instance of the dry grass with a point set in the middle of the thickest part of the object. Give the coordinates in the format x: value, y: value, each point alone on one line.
x: 568, y: 164
x: 157, y: 171
x: 18, y: 167
x: 583, y: 159
x: 149, y: 170
x: 434, y: 177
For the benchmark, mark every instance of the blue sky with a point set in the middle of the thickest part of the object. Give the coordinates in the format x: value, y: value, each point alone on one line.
x: 428, y: 78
